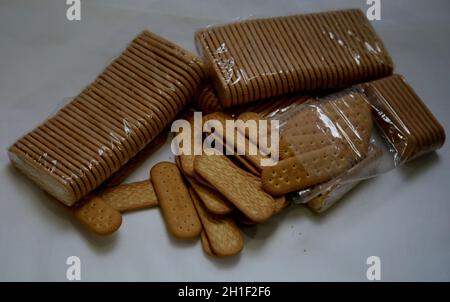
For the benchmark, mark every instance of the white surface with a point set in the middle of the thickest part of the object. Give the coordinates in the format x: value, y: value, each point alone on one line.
x: 402, y: 217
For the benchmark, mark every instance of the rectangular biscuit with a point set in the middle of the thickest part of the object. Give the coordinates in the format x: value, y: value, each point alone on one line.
x: 97, y: 215
x: 130, y: 197
x: 321, y: 140
x: 212, y: 200
x: 111, y: 120
x: 225, y: 177
x: 175, y: 201
x: 257, y: 59
x: 221, y: 235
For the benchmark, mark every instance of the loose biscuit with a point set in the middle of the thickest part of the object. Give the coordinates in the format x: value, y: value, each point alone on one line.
x: 222, y: 233
x: 97, y: 215
x: 175, y: 202
x: 130, y: 197
x: 206, y: 245
x: 225, y: 177
x: 213, y: 201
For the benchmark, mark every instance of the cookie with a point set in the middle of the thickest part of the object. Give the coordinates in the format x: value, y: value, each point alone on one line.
x: 175, y: 202
x: 130, y: 197
x: 212, y: 200
x: 305, y: 170
x: 206, y: 100
x: 327, y: 194
x: 221, y: 232
x: 97, y: 215
x: 205, y: 244
x: 225, y: 177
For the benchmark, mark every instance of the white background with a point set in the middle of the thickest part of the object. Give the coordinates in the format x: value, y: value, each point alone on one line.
x: 402, y: 216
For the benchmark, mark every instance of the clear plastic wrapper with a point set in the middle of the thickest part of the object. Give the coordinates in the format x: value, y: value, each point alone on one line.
x: 257, y: 59
x: 328, y: 144
x: 111, y: 120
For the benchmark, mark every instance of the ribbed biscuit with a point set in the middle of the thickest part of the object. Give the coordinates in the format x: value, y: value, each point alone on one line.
x: 206, y: 100
x: 175, y: 202
x: 111, y: 120
x: 257, y: 59
x: 225, y: 177
x: 97, y: 215
x: 137, y: 161
x: 221, y: 232
x: 130, y: 197
x: 403, y: 117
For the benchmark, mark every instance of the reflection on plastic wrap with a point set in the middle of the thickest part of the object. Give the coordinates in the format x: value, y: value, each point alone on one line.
x: 329, y: 144
x: 257, y: 59
x: 111, y: 120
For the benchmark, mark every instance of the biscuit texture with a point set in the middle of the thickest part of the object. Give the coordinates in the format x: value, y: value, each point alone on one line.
x: 175, y: 201
x: 222, y: 234
x: 226, y: 178
x: 130, y: 197
x: 257, y: 59
x: 97, y: 215
x: 111, y: 120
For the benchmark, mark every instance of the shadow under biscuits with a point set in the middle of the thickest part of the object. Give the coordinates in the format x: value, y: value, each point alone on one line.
x: 224, y: 262
x: 59, y: 214
x: 419, y: 165
x: 258, y: 235
x: 99, y: 244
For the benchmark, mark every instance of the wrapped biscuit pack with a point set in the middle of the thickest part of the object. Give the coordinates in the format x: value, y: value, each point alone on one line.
x: 258, y: 59
x: 328, y: 144
x: 111, y: 120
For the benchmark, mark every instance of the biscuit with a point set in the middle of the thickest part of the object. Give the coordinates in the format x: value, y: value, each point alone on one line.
x: 206, y: 100
x: 205, y: 244
x: 257, y: 59
x: 223, y: 235
x: 212, y: 200
x: 97, y: 215
x: 175, y: 202
x: 320, y: 141
x: 130, y: 197
x: 225, y: 177
x: 333, y: 190
x: 111, y: 120
x: 305, y: 170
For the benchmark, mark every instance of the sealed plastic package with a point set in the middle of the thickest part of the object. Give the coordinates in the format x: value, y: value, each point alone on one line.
x: 328, y: 144
x: 111, y: 120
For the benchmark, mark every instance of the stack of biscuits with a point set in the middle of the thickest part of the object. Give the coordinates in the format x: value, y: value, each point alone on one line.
x: 279, y: 68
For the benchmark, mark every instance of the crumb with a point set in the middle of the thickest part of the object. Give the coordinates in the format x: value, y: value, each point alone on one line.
x: 304, y: 251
